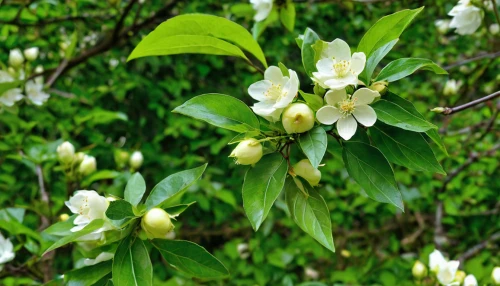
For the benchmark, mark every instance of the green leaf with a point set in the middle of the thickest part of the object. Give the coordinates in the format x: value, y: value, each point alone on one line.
x: 402, y: 68
x: 283, y: 69
x: 375, y: 59
x: 313, y: 143
x: 222, y: 111
x: 178, y: 209
x: 201, y: 34
x: 262, y: 185
x: 405, y: 148
x: 91, y: 227
x: 135, y: 189
x: 320, y: 50
x: 61, y: 228
x: 259, y: 27
x: 310, y: 37
x: 395, y: 115
x: 370, y: 169
x: 190, y: 258
x: 100, y: 175
x: 386, y: 29
x: 119, y: 209
x: 287, y: 15
x: 87, y: 276
x: 314, y: 101
x: 309, y: 211
x: 4, y: 86
x: 173, y: 186
x: 131, y: 264
x: 434, y: 135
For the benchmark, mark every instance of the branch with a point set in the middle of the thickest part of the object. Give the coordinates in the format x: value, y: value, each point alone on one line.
x: 477, y: 58
x: 451, y: 110
x: 475, y: 249
x: 44, y: 196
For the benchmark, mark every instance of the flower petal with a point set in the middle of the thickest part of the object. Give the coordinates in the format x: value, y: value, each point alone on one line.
x: 365, y: 115
x: 328, y: 115
x: 339, y: 50
x: 342, y: 82
x: 358, y: 62
x: 325, y: 66
x: 335, y: 96
x: 258, y: 90
x: 291, y: 88
x: 347, y: 127
x: 365, y: 96
x: 274, y: 74
x: 267, y: 110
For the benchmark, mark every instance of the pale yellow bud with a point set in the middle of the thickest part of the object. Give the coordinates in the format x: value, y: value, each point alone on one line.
x: 380, y: 86
x: 419, y: 270
x: 88, y: 165
x: 79, y: 157
x: 66, y: 152
x: 459, y: 276
x: 16, y: 58
x: 305, y: 170
x: 136, y: 160
x: 156, y: 223
x: 63, y: 217
x: 31, y: 54
x: 121, y: 158
x: 248, y: 152
x: 345, y: 253
x: 438, y: 109
x: 298, y: 118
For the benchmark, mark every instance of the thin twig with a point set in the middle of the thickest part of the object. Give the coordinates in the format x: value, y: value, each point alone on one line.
x: 476, y: 58
x: 451, y: 110
x: 57, y: 73
x: 475, y: 249
x: 44, y: 196
x: 494, y: 2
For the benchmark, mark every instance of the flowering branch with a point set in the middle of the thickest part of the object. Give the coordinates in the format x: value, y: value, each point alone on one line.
x: 451, y: 110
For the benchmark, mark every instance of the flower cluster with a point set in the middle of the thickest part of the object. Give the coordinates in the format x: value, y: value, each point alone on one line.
x: 75, y: 164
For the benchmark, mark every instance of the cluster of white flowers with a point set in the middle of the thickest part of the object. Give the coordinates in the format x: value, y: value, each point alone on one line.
x: 80, y: 162
x: 467, y: 18
x: 6, y: 251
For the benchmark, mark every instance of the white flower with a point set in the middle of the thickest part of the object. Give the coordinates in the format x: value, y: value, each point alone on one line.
x: 311, y: 273
x: 31, y: 54
x: 451, y: 87
x: 274, y: 93
x: 445, y: 270
x: 436, y: 259
x: 466, y: 17
x: 494, y: 28
x: 345, y: 110
x: 11, y: 96
x: 103, y: 256
x: 16, y: 58
x: 262, y: 7
x: 34, y: 92
x: 442, y: 25
x: 495, y: 275
x: 470, y: 280
x: 136, y: 160
x: 6, y: 250
x: 66, y: 152
x: 88, y: 165
x: 339, y: 69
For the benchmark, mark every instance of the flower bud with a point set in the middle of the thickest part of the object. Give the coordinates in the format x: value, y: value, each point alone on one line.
x: 345, y: 253
x: 305, y: 170
x: 298, y: 118
x: 248, y: 152
x: 156, y: 223
x: 494, y: 28
x: 438, y: 109
x: 16, y: 58
x: 63, y: 217
x: 136, y: 160
x: 495, y: 275
x: 121, y: 158
x: 78, y: 158
x: 39, y: 69
x: 470, y: 280
x: 88, y: 165
x: 380, y: 87
x: 451, y: 87
x: 459, y: 276
x: 419, y: 270
x: 31, y: 54
x: 66, y: 152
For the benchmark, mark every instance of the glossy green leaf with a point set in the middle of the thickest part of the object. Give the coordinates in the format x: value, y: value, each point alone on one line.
x: 310, y: 37
x: 314, y: 101
x: 395, y: 115
x: 374, y: 60
x: 201, y: 34
x: 91, y: 227
x: 405, y: 148
x: 119, y: 209
x: 309, y: 211
x: 100, y: 175
x: 190, y: 258
x: 173, y: 186
x: 313, y: 143
x: 370, y: 169
x: 283, y: 69
x: 262, y: 186
x: 87, y: 276
x: 177, y: 209
x: 287, y: 15
x: 135, y: 189
x: 131, y: 264
x: 402, y: 68
x: 61, y: 228
x: 386, y: 29
x: 222, y: 111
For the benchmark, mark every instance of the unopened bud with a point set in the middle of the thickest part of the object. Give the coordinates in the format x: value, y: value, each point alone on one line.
x: 470, y: 280
x: 298, y: 118
x: 494, y: 28
x: 78, y: 158
x: 345, y: 253
x: 66, y: 152
x: 380, y: 86
x: 88, y: 165
x: 419, y: 270
x: 438, y: 109
x: 63, y: 217
x: 16, y: 58
x: 459, y: 276
x: 39, y: 69
x: 248, y: 152
x: 495, y: 275
x: 121, y: 158
x: 305, y: 170
x: 156, y: 223
x: 31, y: 54
x: 136, y: 160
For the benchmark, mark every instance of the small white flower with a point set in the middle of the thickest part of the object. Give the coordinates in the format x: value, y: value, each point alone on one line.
x: 470, y: 280
x: 442, y: 26
x: 103, y: 256
x: 346, y: 110
x: 6, y: 250
x: 88, y: 165
x: 494, y: 28
x: 11, y: 96
x: 311, y: 273
x: 445, y: 270
x: 495, y: 275
x: 274, y: 93
x: 262, y: 9
x: 339, y: 69
x: 451, y: 87
x: 16, y: 58
x: 466, y: 17
x: 31, y: 54
x: 136, y: 160
x: 66, y: 152
x: 35, y: 93
x: 436, y: 259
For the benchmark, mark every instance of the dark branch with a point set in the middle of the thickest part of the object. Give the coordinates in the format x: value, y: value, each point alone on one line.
x: 477, y: 58
x: 475, y: 249
x: 451, y: 110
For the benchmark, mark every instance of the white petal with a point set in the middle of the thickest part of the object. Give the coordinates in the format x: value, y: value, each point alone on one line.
x: 340, y: 50
x: 291, y: 88
x: 274, y: 74
x: 347, y: 127
x: 436, y: 260
x: 267, y: 110
x: 263, y: 8
x: 328, y: 115
x: 333, y: 97
x: 320, y: 78
x: 365, y: 115
x: 340, y: 83
x: 257, y: 90
x: 364, y: 96
x: 358, y: 62
x: 325, y: 66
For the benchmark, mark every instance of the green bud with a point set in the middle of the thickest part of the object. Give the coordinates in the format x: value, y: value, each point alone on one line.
x: 156, y: 223
x: 298, y: 118
x: 438, y: 109
x: 248, y: 152
x: 305, y: 170
x: 419, y: 270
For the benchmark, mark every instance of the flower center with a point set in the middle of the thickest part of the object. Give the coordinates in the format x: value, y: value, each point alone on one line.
x: 342, y: 68
x: 275, y: 92
x: 347, y: 106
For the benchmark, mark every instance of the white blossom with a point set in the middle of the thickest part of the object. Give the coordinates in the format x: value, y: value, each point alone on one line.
x: 6, y: 250
x: 274, y: 93
x: 136, y: 160
x: 339, y: 69
x: 262, y: 9
x: 445, y: 270
x: 494, y: 28
x: 35, y: 93
x: 31, y: 54
x: 65, y: 152
x: 470, y: 280
x: 495, y: 275
x: 103, y: 256
x: 11, y: 96
x: 16, y: 58
x: 451, y: 87
x: 346, y: 110
x: 466, y: 17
